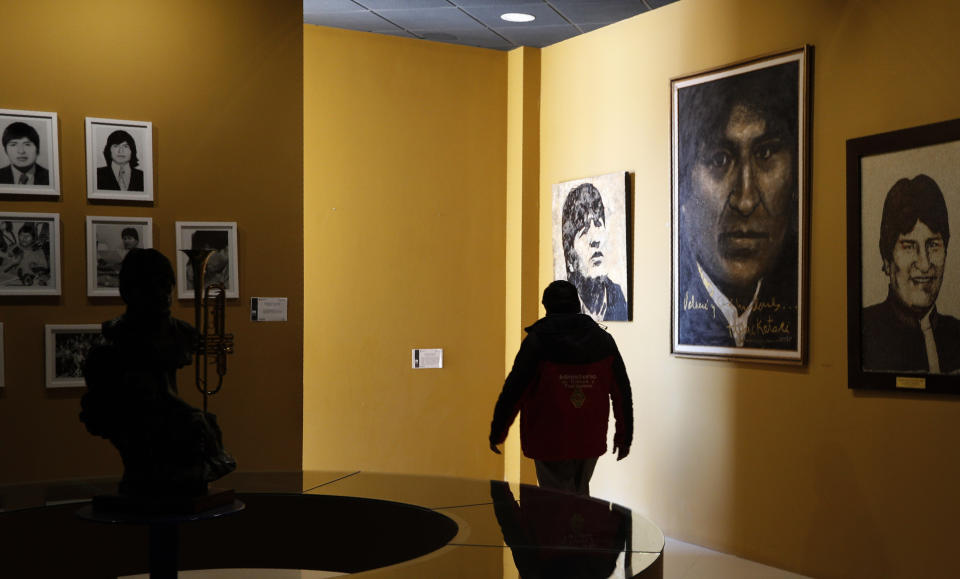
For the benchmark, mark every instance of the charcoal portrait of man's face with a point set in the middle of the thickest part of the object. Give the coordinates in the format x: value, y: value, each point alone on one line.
x: 737, y: 219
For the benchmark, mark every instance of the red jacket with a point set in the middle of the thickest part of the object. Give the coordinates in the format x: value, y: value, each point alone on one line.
x: 566, y: 374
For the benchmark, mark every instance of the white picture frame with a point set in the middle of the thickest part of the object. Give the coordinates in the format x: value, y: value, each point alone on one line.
x: 218, y: 235
x: 22, y: 271
x: 108, y: 241
x: 103, y: 180
x: 44, y: 173
x: 66, y: 347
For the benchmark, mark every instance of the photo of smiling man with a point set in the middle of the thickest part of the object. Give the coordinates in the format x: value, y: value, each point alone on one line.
x: 905, y: 332
x: 589, y: 243
x: 736, y: 260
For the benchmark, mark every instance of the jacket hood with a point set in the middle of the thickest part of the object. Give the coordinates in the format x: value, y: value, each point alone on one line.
x: 565, y: 332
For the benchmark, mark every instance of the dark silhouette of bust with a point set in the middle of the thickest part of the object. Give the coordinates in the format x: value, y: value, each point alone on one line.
x: 168, y: 447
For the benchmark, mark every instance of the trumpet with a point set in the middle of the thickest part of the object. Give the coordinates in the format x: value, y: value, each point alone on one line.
x: 213, y: 342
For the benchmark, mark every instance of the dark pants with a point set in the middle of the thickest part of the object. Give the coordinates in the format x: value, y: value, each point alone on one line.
x: 566, y: 475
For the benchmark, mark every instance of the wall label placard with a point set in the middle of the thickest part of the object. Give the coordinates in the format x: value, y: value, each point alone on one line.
x: 427, y: 358
x: 268, y: 309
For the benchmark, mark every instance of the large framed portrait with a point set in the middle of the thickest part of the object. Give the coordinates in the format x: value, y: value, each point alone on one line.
x: 590, y: 246
x: 109, y: 239
x: 29, y: 254
x: 30, y: 156
x: 119, y: 159
x: 903, y: 285
x: 217, y: 236
x: 66, y: 350
x: 739, y: 210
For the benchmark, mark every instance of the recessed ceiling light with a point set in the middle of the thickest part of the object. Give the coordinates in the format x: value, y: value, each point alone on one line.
x: 517, y: 17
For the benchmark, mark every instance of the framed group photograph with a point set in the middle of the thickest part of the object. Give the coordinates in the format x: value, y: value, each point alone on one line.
x: 220, y: 237
x: 119, y: 159
x: 109, y: 239
x: 29, y: 254
x: 30, y: 156
x: 66, y: 350
x: 903, y: 285
x: 590, y: 245
x: 739, y: 190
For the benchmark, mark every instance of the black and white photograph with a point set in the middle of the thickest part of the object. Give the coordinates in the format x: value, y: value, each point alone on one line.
x: 109, y: 240
x: 30, y: 157
x: 119, y: 159
x: 29, y: 254
x: 590, y: 218
x: 903, y: 196
x: 739, y: 197
x: 67, y: 346
x: 219, y: 237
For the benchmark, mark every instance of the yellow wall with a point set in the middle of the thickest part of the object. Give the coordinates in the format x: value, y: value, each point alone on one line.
x: 221, y: 82
x: 404, y: 240
x: 783, y: 465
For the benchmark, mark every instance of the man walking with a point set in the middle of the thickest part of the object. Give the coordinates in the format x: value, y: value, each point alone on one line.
x: 566, y: 374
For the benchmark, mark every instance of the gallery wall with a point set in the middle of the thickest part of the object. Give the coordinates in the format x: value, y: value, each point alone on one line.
x: 404, y: 240
x: 221, y: 81
x: 784, y: 465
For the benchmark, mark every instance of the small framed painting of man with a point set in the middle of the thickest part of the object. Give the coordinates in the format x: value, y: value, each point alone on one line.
x: 67, y: 346
x: 590, y: 248
x: 220, y: 237
x: 29, y: 254
x: 739, y: 204
x: 119, y: 159
x: 109, y: 239
x: 29, y: 157
x: 903, y: 283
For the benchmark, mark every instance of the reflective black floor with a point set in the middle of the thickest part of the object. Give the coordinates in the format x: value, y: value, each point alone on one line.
x: 376, y: 525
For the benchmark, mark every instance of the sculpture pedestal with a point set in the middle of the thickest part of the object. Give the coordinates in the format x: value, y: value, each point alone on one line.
x: 117, y: 504
x: 164, y: 527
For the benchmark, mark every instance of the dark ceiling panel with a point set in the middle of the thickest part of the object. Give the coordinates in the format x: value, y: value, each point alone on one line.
x: 436, y: 19
x: 539, y: 36
x: 599, y: 11
x: 475, y: 37
x: 366, y: 21
x: 403, y: 4
x: 318, y: 6
x: 659, y: 3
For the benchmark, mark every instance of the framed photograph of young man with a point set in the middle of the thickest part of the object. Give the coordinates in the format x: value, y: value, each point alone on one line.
x: 590, y: 219
x: 66, y: 350
x: 29, y: 254
x: 119, y: 159
x: 109, y: 239
x: 739, y: 210
x: 220, y: 237
x: 30, y: 156
x: 903, y: 283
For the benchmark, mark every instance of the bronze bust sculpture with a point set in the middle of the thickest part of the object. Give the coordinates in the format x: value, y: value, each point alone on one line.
x: 168, y: 447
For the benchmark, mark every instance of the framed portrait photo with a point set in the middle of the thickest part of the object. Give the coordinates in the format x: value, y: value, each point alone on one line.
x: 29, y: 254
x: 119, y: 159
x: 590, y: 246
x: 739, y: 210
x: 109, y: 239
x: 30, y: 156
x: 217, y: 236
x: 66, y: 350
x: 903, y: 283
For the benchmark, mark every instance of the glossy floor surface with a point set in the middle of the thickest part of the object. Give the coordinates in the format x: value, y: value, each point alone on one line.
x: 369, y: 524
